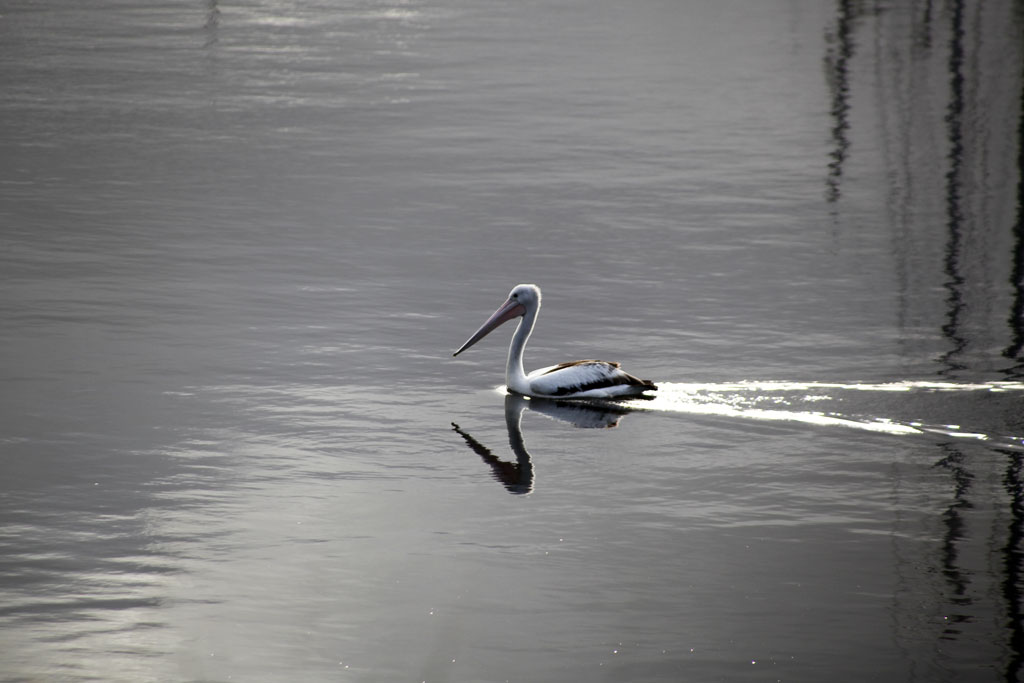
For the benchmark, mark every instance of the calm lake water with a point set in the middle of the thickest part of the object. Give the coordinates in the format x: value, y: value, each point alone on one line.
x: 240, y: 241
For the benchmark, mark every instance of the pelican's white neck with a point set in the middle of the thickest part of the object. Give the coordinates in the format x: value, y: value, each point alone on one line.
x: 515, y: 376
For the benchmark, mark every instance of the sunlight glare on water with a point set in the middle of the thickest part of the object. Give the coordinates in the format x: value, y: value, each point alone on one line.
x: 788, y: 401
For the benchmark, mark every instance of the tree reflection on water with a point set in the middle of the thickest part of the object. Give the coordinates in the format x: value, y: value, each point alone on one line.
x: 945, y: 90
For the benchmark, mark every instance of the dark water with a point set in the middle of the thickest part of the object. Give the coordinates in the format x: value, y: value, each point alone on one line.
x: 240, y: 242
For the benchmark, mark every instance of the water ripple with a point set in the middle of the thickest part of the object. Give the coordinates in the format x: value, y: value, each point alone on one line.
x: 782, y: 401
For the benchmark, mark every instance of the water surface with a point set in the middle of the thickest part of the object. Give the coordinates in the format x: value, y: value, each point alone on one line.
x: 240, y: 242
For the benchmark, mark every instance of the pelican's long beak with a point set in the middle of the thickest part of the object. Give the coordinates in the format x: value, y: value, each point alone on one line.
x: 508, y: 310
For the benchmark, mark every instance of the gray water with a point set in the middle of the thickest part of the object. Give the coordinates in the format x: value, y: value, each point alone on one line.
x: 241, y: 240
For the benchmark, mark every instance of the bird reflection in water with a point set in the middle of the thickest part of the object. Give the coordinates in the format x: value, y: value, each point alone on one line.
x: 518, y: 477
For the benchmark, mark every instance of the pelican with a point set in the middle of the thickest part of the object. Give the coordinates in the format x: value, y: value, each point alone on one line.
x: 576, y: 379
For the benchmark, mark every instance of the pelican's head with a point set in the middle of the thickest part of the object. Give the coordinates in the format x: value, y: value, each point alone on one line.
x: 521, y: 299
x: 527, y: 295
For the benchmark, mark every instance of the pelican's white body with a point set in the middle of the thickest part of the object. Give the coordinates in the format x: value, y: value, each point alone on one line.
x: 579, y: 379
